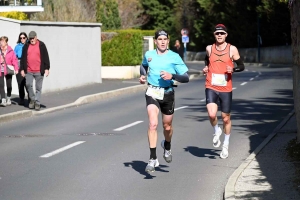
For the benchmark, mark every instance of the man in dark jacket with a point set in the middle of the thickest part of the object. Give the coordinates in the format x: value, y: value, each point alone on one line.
x: 35, y: 64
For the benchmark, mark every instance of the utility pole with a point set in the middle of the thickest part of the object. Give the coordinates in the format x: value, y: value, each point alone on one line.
x: 258, y: 36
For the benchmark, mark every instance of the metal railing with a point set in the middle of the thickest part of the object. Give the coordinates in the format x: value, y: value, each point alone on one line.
x: 20, y: 2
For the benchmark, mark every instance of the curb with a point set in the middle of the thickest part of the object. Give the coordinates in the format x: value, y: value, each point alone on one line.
x: 229, y: 193
x: 80, y: 101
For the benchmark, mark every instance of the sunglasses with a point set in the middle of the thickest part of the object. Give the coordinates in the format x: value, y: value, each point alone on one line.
x: 220, y: 33
x: 22, y: 38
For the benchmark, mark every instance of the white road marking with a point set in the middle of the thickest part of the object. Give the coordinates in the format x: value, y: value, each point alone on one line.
x: 259, y: 73
x: 61, y: 149
x: 251, y: 79
x: 246, y: 70
x: 127, y: 126
x: 180, y: 108
x: 234, y: 88
x: 256, y: 76
x: 244, y: 83
x: 202, y: 100
x: 137, y: 82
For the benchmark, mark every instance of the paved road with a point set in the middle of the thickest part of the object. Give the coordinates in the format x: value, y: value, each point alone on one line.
x: 99, y: 150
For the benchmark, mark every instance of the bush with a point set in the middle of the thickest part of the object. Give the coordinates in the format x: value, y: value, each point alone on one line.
x: 14, y: 15
x: 125, y: 49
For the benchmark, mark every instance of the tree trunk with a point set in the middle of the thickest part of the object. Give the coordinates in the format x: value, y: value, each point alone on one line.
x: 295, y: 34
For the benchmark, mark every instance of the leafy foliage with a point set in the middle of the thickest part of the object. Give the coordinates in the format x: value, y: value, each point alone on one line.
x: 125, y: 49
x: 67, y: 11
x: 14, y: 15
x: 245, y: 19
x: 108, y: 14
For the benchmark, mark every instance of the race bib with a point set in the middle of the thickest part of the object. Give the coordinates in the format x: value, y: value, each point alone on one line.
x: 218, y: 80
x: 156, y: 93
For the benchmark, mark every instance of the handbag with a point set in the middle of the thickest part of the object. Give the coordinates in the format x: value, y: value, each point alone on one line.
x: 9, y: 68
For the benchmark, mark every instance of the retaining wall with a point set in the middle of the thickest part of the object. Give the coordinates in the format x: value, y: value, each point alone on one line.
x: 273, y: 55
x: 74, y: 50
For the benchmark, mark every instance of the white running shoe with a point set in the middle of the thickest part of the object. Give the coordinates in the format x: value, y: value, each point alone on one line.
x: 151, y: 165
x: 8, y: 101
x: 3, y: 103
x: 216, y: 139
x: 167, y: 153
x: 224, y: 154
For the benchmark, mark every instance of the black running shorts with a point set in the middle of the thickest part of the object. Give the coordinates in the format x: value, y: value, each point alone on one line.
x: 225, y: 99
x: 166, y: 105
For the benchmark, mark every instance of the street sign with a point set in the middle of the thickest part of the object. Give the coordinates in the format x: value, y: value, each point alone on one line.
x: 185, y: 39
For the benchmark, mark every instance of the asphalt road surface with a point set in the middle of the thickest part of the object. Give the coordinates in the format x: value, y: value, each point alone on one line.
x: 100, y: 150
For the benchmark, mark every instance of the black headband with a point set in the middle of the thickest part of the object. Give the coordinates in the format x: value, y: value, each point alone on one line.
x: 159, y: 33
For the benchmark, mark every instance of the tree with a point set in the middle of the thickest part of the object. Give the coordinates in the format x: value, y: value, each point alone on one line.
x: 295, y: 33
x: 131, y: 14
x: 66, y: 11
x: 108, y: 14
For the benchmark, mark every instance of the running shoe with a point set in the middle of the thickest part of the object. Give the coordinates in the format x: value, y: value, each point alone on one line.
x: 167, y: 153
x: 8, y: 101
x: 151, y: 165
x: 224, y: 154
x: 216, y: 139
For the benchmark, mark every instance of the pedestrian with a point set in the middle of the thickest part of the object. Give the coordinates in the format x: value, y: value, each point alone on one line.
x: 178, y: 49
x: 35, y: 64
x: 161, y: 67
x: 7, y: 57
x: 22, y: 40
x: 219, y: 66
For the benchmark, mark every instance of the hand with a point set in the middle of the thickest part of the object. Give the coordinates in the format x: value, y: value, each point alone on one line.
x: 166, y: 75
x: 229, y: 69
x: 46, y: 72
x: 205, y: 70
x: 142, y: 79
x: 22, y: 73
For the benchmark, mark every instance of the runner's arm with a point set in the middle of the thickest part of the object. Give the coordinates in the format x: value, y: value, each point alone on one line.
x: 143, y: 70
x: 240, y: 65
x: 184, y: 78
x: 237, y: 59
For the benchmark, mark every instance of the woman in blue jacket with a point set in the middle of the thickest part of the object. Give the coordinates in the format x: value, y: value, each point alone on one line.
x: 22, y: 40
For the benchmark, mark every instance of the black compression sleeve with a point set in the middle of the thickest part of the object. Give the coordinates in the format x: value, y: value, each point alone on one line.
x: 184, y: 78
x: 206, y: 60
x: 143, y: 70
x: 240, y: 65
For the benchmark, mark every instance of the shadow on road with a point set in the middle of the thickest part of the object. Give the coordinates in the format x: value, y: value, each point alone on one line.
x: 201, y: 152
x: 140, y: 166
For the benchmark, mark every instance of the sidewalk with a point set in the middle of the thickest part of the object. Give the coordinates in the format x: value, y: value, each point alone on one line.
x: 267, y: 174
x: 62, y: 99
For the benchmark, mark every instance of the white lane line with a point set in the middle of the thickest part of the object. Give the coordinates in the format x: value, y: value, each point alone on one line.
x: 61, y: 149
x: 127, y: 126
x: 244, y: 83
x: 251, y: 79
x: 234, y: 88
x: 256, y: 76
x: 180, y: 108
x: 259, y: 73
x: 246, y: 70
x: 202, y: 100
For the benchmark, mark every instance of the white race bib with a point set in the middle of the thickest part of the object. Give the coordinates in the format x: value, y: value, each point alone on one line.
x: 156, y: 93
x: 218, y: 79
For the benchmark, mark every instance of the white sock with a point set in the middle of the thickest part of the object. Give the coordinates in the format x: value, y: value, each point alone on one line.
x: 226, y: 139
x: 216, y: 127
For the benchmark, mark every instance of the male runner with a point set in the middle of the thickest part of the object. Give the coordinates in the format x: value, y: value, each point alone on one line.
x: 161, y: 66
x: 219, y: 68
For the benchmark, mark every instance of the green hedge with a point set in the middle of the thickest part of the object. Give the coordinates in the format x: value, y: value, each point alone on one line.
x: 124, y: 49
